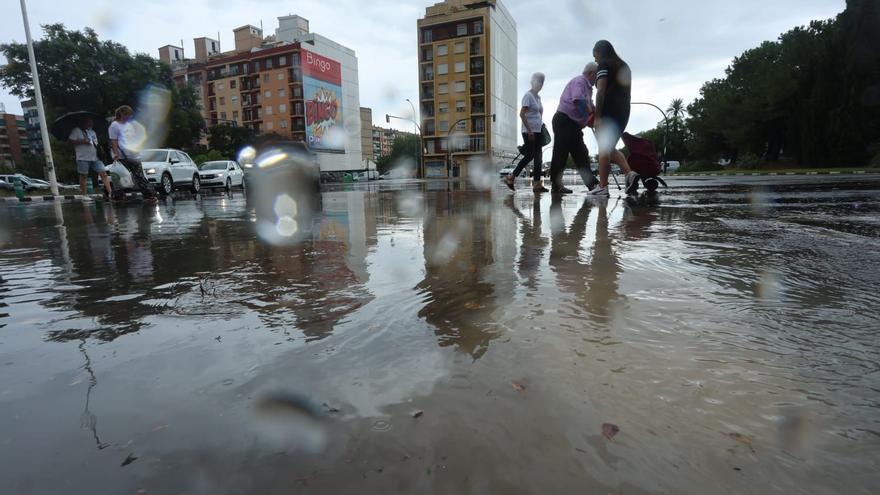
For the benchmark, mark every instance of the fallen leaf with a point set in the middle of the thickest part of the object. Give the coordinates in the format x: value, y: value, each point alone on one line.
x: 519, y: 386
x: 609, y: 430
x: 472, y: 305
x: 128, y: 460
x: 743, y: 439
x: 417, y: 413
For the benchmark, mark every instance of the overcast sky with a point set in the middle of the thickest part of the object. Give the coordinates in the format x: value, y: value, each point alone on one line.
x: 672, y: 46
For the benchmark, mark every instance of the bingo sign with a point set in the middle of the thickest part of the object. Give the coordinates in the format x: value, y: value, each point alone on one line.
x: 322, y: 90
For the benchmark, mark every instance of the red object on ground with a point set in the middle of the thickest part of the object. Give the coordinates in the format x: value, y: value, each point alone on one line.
x: 643, y: 158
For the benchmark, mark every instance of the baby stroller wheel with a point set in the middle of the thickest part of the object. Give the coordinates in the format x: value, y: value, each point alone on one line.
x: 651, y: 183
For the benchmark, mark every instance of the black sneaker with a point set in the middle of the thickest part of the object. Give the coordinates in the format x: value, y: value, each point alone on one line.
x: 592, y: 183
x: 632, y: 183
x: 561, y: 190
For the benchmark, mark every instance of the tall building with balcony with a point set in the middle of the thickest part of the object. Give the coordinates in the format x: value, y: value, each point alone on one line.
x: 14, y: 143
x: 32, y: 126
x: 467, y: 85
x: 295, y: 84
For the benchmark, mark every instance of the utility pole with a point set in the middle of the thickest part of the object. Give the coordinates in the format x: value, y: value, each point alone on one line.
x: 38, y: 96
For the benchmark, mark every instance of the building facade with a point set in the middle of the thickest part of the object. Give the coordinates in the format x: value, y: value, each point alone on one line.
x: 467, y: 85
x: 295, y: 84
x: 14, y: 143
x: 367, y: 135
x: 383, y: 140
x: 32, y: 126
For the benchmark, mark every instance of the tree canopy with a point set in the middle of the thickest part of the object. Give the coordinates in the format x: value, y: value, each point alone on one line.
x: 404, y: 150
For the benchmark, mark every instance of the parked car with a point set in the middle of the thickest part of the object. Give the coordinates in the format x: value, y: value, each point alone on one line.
x: 394, y: 174
x: 27, y: 183
x: 5, y: 186
x: 365, y: 176
x: 222, y: 173
x: 170, y: 169
x: 671, y: 166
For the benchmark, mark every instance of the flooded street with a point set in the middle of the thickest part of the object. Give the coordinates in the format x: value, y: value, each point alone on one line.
x: 431, y: 338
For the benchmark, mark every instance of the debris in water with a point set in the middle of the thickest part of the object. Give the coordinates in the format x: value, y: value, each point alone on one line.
x: 472, y: 305
x: 417, y: 413
x: 519, y: 386
x: 609, y: 430
x: 128, y: 460
x: 743, y: 439
x: 330, y: 409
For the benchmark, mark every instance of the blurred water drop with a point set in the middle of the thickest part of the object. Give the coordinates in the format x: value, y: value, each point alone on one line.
x: 770, y: 287
x: 334, y: 138
x: 481, y: 173
x: 290, y: 421
x: 246, y: 156
x: 411, y: 203
x: 152, y: 115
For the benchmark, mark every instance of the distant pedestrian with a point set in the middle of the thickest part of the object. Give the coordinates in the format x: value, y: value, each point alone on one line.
x: 613, y: 89
x: 532, y: 116
x: 123, y: 134
x: 85, y: 145
x: 572, y: 115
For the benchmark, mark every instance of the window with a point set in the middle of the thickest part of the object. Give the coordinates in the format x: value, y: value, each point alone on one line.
x: 283, y: 124
x: 442, y: 50
x: 220, y: 85
x: 235, y: 115
x: 222, y: 100
x: 478, y: 27
x: 298, y: 108
x: 297, y: 92
x: 427, y: 36
x: 459, y: 86
x: 443, y: 89
x: 268, y: 63
x: 222, y: 115
x: 461, y: 30
x: 461, y: 125
x: 459, y: 67
x: 265, y: 77
x: 442, y: 69
x: 459, y: 106
x: 232, y: 84
x: 444, y: 125
x: 282, y: 108
x: 295, y: 59
x: 269, y: 110
x: 270, y: 126
x: 444, y: 107
x: 282, y: 60
x: 459, y: 47
x: 282, y: 93
x: 268, y: 93
x: 280, y: 76
x: 442, y: 144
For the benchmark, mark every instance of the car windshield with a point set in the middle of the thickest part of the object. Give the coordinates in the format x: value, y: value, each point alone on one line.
x: 154, y: 155
x: 214, y: 166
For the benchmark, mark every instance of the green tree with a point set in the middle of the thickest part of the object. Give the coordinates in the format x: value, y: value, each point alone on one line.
x: 404, y: 152
x: 229, y: 140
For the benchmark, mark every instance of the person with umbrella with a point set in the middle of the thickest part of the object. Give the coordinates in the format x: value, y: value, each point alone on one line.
x: 85, y: 144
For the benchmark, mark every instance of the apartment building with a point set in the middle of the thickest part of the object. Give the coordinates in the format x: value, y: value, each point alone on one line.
x: 14, y: 141
x: 383, y: 140
x: 295, y: 84
x: 467, y: 85
x: 32, y: 126
x: 367, y: 134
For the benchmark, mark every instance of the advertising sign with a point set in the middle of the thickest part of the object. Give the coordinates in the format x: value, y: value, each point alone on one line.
x: 322, y: 90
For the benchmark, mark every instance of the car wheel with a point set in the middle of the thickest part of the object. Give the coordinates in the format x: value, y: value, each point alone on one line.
x: 196, y: 184
x: 167, y: 185
x: 228, y: 184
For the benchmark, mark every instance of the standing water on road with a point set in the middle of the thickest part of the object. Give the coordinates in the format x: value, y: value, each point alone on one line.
x: 429, y: 338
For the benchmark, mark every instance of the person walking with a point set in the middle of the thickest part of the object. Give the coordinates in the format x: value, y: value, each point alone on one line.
x: 85, y: 143
x: 123, y: 133
x: 532, y: 116
x: 613, y: 90
x: 572, y: 115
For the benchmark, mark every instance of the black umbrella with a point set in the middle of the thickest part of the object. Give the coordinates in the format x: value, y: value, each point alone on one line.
x: 63, y: 125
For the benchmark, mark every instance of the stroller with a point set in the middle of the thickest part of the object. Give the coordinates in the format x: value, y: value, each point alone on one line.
x: 643, y: 159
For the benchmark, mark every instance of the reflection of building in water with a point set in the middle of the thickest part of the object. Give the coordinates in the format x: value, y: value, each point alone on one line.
x: 459, y: 254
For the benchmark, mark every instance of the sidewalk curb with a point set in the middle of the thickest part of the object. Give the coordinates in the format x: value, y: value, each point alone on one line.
x: 770, y: 174
x: 69, y: 198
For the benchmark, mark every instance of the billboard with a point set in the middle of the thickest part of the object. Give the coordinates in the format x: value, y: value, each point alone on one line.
x: 322, y: 90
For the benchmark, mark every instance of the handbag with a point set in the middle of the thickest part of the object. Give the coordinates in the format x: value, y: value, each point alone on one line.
x: 103, y: 154
x: 545, y: 135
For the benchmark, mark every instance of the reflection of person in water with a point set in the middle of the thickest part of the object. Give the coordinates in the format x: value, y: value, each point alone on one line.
x: 533, y: 243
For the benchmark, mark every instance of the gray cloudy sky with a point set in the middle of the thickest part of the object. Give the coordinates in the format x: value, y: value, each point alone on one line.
x: 673, y: 46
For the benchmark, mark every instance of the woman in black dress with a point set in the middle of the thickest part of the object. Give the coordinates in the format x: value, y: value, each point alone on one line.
x: 613, y: 85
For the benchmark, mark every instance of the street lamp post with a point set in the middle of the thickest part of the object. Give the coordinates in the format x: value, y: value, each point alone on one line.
x: 421, y: 139
x: 38, y: 96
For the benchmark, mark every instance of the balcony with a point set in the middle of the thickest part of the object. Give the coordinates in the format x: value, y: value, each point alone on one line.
x: 427, y: 73
x: 475, y: 47
x: 295, y: 75
x: 477, y: 66
x: 472, y: 144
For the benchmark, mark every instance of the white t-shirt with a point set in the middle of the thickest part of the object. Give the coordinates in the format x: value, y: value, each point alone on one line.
x: 534, y: 112
x: 85, y: 152
x: 128, y: 135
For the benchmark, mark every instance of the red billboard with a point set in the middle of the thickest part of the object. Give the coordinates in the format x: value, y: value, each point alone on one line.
x: 322, y: 87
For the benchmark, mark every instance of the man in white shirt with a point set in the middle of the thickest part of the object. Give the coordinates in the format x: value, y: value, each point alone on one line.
x: 123, y: 132
x: 84, y: 142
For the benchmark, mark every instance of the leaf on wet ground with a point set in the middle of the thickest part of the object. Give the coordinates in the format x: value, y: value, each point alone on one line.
x: 743, y: 439
x: 128, y: 460
x: 609, y: 430
x: 472, y: 305
x: 518, y: 385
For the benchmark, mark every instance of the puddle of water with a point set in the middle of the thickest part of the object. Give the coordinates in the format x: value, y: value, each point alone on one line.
x: 726, y: 331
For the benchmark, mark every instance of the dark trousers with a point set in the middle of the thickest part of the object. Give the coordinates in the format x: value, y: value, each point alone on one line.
x: 568, y: 139
x: 531, y: 151
x: 136, y: 169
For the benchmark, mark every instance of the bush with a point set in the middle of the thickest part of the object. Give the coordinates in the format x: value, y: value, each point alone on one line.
x: 749, y: 161
x: 208, y: 157
x: 699, y: 166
